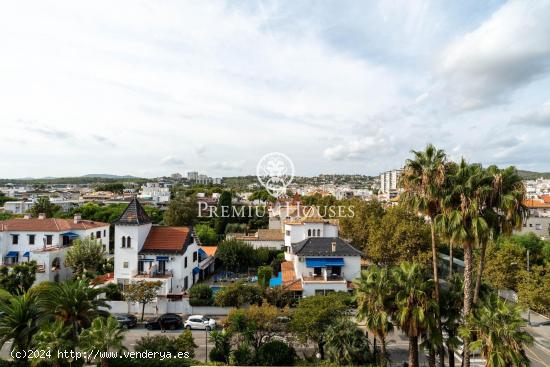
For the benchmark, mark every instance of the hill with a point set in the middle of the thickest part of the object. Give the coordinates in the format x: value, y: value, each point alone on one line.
x: 530, y: 175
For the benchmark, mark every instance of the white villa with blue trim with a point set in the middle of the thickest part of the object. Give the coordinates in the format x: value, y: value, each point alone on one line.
x: 317, y: 260
x: 167, y: 254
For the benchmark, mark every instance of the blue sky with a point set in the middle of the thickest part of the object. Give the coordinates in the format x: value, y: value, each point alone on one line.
x: 155, y: 87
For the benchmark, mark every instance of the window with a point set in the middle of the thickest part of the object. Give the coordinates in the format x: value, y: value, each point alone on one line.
x: 104, y: 233
x: 194, y: 256
x: 98, y: 234
x: 125, y: 265
x: 318, y: 233
x: 185, y: 262
x: 123, y: 241
x: 288, y: 233
x: 185, y: 282
x: 15, y: 239
x: 538, y: 226
x: 128, y: 242
x: 31, y: 239
x: 92, y: 235
x: 309, y: 232
x: 49, y: 239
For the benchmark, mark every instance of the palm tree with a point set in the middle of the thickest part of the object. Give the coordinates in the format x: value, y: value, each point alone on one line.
x: 424, y: 178
x: 104, y: 335
x: 504, y: 211
x: 345, y: 343
x: 373, y: 297
x: 75, y: 303
x: 450, y: 306
x: 497, y: 327
x: 465, y: 212
x: 53, y: 337
x: 20, y: 320
x: 413, y: 303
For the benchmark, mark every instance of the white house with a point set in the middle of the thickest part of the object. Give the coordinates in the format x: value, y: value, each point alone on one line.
x: 46, y: 241
x: 155, y: 192
x: 147, y: 252
x: 272, y: 239
x: 317, y: 260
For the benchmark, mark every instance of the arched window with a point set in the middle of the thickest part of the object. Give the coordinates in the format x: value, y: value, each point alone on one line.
x: 309, y: 232
x: 129, y: 242
x: 123, y: 241
x: 318, y: 233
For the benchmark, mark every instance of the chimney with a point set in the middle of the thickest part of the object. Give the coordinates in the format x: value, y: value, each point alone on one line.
x: 42, y: 216
x: 333, y: 245
x: 27, y: 216
x: 77, y: 218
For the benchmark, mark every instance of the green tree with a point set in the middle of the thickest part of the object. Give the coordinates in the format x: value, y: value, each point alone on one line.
x: 207, y: 235
x: 224, y: 212
x: 254, y: 325
x: 450, y: 306
x: 236, y: 255
x: 20, y: 321
x: 374, y: 297
x: 185, y: 343
x: 142, y: 292
x: 103, y: 335
x: 85, y: 256
x: 346, y: 344
x: 413, y: 303
x: 262, y: 195
x: 358, y: 227
x: 74, y: 302
x: 238, y: 294
x: 182, y: 210
x: 44, y: 206
x: 222, y: 345
x: 115, y: 187
x: 314, y: 315
x: 276, y: 353
x: 53, y: 338
x: 531, y: 286
x: 496, y: 327
x: 505, y: 259
x: 19, y: 278
x: 264, y: 275
x: 201, y: 295
x: 399, y: 236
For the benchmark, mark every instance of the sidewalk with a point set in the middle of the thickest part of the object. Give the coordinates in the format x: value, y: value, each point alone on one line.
x: 541, y: 333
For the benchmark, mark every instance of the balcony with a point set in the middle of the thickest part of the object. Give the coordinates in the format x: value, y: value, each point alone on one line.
x: 323, y: 278
x: 154, y: 275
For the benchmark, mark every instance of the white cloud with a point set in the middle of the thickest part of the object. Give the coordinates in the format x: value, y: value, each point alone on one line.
x: 537, y: 117
x: 506, y: 52
x: 172, y: 161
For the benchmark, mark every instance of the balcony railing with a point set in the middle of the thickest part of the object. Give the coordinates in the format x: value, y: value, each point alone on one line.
x: 323, y: 277
x: 154, y: 274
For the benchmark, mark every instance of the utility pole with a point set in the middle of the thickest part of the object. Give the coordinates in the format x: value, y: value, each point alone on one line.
x: 529, y: 275
x: 206, y: 338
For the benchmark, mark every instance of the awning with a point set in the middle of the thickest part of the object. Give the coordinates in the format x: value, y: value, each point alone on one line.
x: 147, y: 260
x: 196, y: 270
x: 202, y: 254
x: 70, y: 235
x: 12, y: 254
x: 321, y: 262
x: 27, y: 254
x: 162, y: 258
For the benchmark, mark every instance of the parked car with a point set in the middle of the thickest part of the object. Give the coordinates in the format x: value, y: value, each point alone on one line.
x: 126, y: 320
x: 169, y: 321
x: 200, y: 322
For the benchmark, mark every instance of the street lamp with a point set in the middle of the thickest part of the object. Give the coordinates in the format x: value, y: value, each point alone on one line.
x: 206, y: 337
x: 528, y: 308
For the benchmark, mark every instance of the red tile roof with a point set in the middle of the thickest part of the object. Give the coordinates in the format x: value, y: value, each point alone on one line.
x: 167, y: 239
x: 48, y: 225
x: 290, y: 283
x: 535, y: 203
x: 210, y: 250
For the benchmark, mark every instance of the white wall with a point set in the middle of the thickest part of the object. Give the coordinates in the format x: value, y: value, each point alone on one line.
x: 138, y: 234
x: 180, y: 307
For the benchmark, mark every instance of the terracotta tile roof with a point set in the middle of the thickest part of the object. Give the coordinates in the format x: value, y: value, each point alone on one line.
x: 263, y: 235
x: 536, y: 203
x: 134, y: 214
x: 167, y: 239
x: 100, y: 279
x: 546, y: 198
x: 48, y: 225
x: 210, y: 250
x: 290, y: 283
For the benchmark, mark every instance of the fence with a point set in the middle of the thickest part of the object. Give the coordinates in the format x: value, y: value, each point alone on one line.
x: 164, y: 306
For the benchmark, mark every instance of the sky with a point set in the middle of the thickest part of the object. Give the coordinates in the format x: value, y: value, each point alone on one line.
x: 150, y: 88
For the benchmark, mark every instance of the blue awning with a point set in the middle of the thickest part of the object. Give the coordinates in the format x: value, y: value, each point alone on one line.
x: 27, y: 254
x: 273, y: 282
x: 70, y: 235
x: 321, y: 262
x: 196, y: 270
x: 163, y: 258
x: 202, y: 254
x: 147, y: 260
x: 13, y: 254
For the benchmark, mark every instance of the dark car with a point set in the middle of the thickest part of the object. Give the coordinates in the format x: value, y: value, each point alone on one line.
x: 170, y: 321
x: 126, y: 320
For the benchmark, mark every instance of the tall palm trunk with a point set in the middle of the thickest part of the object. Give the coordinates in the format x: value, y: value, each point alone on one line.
x: 451, y: 352
x: 451, y: 262
x: 436, y: 280
x: 480, y: 268
x: 431, y: 358
x: 467, y: 296
x: 383, y: 349
x: 413, y: 351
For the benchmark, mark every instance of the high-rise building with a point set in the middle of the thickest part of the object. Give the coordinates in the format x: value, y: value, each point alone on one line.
x: 389, y: 183
x: 192, y: 176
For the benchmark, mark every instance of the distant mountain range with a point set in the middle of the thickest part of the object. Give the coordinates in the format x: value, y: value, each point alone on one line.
x: 106, y: 175
x: 530, y: 175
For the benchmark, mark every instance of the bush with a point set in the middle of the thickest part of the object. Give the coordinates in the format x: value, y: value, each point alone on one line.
x: 217, y: 355
x: 264, y: 275
x: 207, y: 235
x: 113, y: 293
x: 136, y: 362
x: 201, y: 295
x: 158, y: 343
x: 276, y: 353
x: 242, y: 356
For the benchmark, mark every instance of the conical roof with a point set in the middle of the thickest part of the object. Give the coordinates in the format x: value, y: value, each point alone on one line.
x: 134, y: 214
